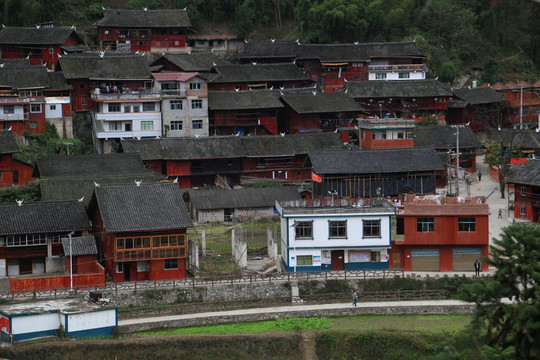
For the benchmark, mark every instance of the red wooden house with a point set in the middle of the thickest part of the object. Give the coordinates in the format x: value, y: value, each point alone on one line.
x: 385, y: 133
x: 526, y: 182
x: 244, y: 112
x: 12, y: 170
x: 437, y: 233
x: 141, y: 231
x: 197, y: 162
x: 523, y: 103
x: 41, y: 44
x: 144, y: 30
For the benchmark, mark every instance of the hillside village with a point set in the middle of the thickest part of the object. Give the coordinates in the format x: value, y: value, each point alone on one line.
x: 366, y: 163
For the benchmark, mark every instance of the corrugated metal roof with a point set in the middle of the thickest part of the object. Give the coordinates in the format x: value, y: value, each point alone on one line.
x: 185, y: 76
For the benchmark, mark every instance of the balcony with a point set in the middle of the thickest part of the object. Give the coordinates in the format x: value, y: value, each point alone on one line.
x: 21, y: 100
x: 397, y: 68
x: 173, y: 93
x: 13, y: 117
x: 155, y: 96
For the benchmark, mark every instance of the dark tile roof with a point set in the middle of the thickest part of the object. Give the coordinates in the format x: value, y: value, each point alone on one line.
x: 395, y: 88
x: 329, y: 52
x: 24, y: 77
x: 479, y: 95
x: 241, y: 198
x: 144, y: 18
x: 524, y: 139
x: 108, y: 67
x: 232, y: 100
x: 43, y: 217
x: 259, y: 72
x: 375, y: 161
x: 317, y: 102
x: 528, y: 174
x: 157, y: 206
x: 80, y: 245
x: 34, y: 36
x: 7, y: 142
x: 14, y: 62
x: 223, y: 147
x: 444, y: 137
x: 203, y: 61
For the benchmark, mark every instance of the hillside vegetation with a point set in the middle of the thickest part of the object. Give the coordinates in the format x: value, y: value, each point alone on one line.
x: 499, y: 37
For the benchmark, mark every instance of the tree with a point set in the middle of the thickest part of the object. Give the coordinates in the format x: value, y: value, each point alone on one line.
x: 447, y: 72
x: 510, y: 329
x: 499, y: 156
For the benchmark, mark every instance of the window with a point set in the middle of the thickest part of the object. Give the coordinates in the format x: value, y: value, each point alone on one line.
x: 149, y: 107
x: 35, y: 108
x: 176, y: 104
x: 169, y: 86
x: 115, y: 126
x: 522, y: 210
x: 375, y: 256
x: 33, y: 124
x: 380, y: 76
x: 147, y: 125
x: 426, y: 225
x: 51, y: 50
x: 84, y: 102
x: 196, y: 124
x: 119, y: 267
x: 136, y: 108
x: 195, y: 86
x: 171, y: 264
x: 6, y: 125
x: 372, y: 228
x: 304, y: 229
x: 9, y: 109
x: 523, y: 191
x: 304, y: 260
x: 52, y: 107
x: 337, y: 229
x: 113, y: 107
x: 379, y: 135
x: 196, y: 104
x: 404, y: 75
x: 143, y: 266
x: 467, y: 224
x: 176, y: 125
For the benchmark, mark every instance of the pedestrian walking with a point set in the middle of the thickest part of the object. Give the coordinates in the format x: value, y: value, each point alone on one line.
x: 477, y: 267
x: 479, y: 176
x: 500, y: 213
x: 354, y: 297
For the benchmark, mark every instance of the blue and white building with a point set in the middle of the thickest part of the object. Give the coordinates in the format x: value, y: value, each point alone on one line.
x: 333, y: 235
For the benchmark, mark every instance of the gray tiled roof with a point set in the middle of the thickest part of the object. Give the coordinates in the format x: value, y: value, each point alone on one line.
x: 43, y: 217
x: 223, y: 147
x: 395, y: 88
x: 241, y: 198
x: 479, y: 95
x: 524, y: 139
x: 144, y: 18
x: 329, y: 52
x: 233, y: 100
x: 15, y: 62
x: 203, y: 61
x: 528, y: 174
x: 34, y: 36
x: 23, y: 77
x: 259, y: 72
x: 375, y: 161
x: 317, y: 102
x: 80, y: 245
x: 7, y: 142
x: 158, y: 206
x: 108, y: 67
x: 444, y: 137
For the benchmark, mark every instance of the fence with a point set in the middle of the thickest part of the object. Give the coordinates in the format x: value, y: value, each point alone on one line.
x: 201, y: 281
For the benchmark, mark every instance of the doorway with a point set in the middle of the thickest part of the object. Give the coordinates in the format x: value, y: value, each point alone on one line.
x: 338, y: 260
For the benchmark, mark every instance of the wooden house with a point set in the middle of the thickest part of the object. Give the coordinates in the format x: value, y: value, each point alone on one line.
x: 406, y: 99
x: 258, y: 76
x: 244, y: 112
x: 481, y: 107
x: 315, y: 111
x: 229, y: 159
x: 141, y: 231
x: 75, y: 177
x: 386, y: 133
x: 368, y: 173
x: 13, y: 171
x: 41, y: 44
x: 436, y: 233
x: 523, y: 103
x: 144, y: 30
x: 199, y: 62
x: 526, y: 182
x: 242, y: 204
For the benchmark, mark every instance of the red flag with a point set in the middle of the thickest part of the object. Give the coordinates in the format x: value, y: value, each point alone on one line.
x: 316, y: 177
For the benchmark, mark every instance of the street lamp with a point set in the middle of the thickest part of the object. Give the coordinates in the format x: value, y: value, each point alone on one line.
x: 71, y: 258
x: 457, y: 156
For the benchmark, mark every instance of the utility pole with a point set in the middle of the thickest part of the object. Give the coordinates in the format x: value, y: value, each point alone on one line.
x: 457, y: 156
x: 521, y: 108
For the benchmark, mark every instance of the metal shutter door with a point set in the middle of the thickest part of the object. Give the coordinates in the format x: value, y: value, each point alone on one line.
x: 463, y: 258
x: 425, y: 260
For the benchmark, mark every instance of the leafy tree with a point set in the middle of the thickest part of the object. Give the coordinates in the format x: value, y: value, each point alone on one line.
x: 491, y: 69
x: 499, y: 156
x: 246, y: 16
x: 28, y: 193
x: 447, y: 72
x: 510, y: 329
